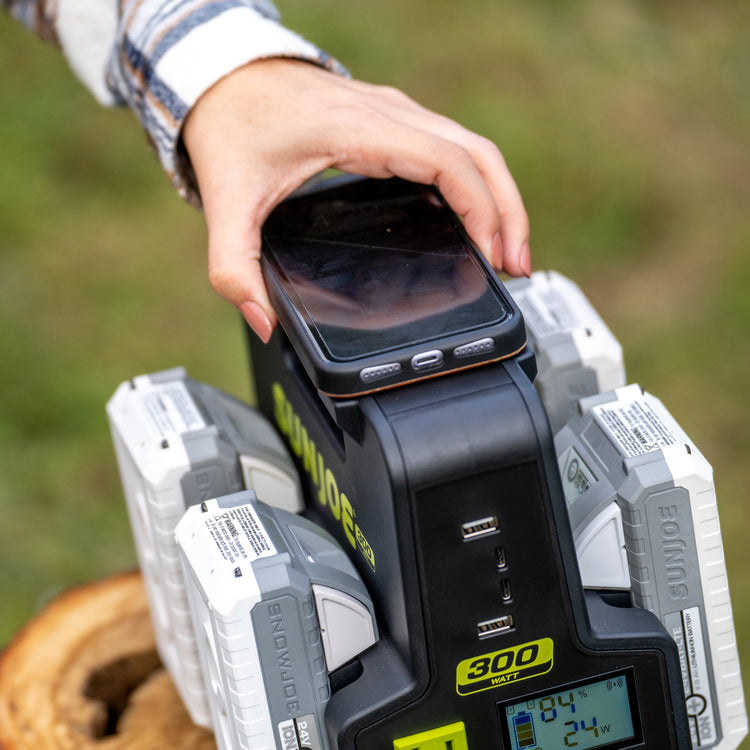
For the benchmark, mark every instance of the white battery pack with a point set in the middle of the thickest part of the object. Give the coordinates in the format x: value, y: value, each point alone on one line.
x: 179, y: 442
x: 577, y: 355
x: 277, y: 605
x: 644, y: 516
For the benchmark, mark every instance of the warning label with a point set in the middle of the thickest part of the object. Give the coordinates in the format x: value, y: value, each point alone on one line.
x: 687, y: 631
x: 170, y: 410
x: 636, y: 427
x: 239, y: 535
x: 545, y: 312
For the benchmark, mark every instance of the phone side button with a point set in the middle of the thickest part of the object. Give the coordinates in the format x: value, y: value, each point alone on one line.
x: 378, y: 372
x: 482, y: 346
x: 427, y: 360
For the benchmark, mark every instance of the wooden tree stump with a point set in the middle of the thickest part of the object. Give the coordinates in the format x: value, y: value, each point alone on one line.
x: 85, y: 675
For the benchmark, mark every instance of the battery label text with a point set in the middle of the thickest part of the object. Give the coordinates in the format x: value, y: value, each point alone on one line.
x: 239, y: 535
x: 637, y: 427
x: 686, y: 628
x: 168, y: 409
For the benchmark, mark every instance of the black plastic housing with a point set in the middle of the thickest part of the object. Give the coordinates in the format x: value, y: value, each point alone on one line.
x: 395, y: 477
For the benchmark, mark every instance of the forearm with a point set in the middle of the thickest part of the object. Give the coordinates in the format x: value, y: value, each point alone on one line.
x: 211, y: 74
x: 159, y: 56
x: 168, y: 54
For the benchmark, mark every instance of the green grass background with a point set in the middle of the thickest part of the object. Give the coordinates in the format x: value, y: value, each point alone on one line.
x: 626, y: 126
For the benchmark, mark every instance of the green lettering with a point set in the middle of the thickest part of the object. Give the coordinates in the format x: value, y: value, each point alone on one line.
x: 322, y: 478
x: 332, y: 495
x: 295, y: 438
x: 321, y: 485
x: 309, y: 456
x: 279, y: 407
x: 347, y: 519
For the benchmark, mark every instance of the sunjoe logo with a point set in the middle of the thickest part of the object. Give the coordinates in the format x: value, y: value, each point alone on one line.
x: 502, y: 667
x: 327, y: 491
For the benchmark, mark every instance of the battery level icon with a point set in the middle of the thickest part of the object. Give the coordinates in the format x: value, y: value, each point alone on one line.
x: 523, y: 725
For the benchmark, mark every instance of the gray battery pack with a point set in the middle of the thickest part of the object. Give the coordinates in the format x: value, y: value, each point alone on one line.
x: 179, y: 442
x: 643, y: 510
x: 577, y: 355
x: 278, y: 606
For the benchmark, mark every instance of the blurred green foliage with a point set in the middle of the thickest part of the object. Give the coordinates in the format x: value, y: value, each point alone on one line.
x: 626, y: 126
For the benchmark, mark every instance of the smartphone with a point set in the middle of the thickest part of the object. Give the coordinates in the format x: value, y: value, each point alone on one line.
x: 377, y: 284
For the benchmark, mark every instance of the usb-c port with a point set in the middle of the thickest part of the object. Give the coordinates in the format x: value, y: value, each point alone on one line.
x: 506, y: 595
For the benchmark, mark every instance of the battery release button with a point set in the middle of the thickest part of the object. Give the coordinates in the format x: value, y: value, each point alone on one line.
x: 346, y: 626
x: 450, y: 737
x: 275, y: 486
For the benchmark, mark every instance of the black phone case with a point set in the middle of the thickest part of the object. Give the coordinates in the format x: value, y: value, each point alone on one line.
x: 391, y: 368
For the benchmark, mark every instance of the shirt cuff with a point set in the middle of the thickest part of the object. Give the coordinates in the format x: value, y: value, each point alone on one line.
x: 86, y: 31
x: 193, y: 51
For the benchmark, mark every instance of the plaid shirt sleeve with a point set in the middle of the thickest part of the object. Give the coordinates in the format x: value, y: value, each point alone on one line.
x: 159, y: 56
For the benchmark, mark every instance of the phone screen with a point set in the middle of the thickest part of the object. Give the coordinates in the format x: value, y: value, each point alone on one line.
x: 379, y: 266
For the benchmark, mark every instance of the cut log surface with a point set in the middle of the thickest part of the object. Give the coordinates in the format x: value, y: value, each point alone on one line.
x: 84, y: 675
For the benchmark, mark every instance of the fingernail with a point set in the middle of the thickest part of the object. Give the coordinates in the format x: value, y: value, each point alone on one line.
x: 524, y: 260
x: 497, y: 251
x: 257, y: 320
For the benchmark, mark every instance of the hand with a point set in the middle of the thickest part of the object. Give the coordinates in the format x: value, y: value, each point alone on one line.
x: 261, y: 131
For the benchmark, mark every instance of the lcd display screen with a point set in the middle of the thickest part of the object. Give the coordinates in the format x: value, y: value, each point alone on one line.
x: 586, y: 715
x: 381, y: 266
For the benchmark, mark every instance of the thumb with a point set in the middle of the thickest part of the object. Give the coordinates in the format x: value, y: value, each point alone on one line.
x: 234, y: 269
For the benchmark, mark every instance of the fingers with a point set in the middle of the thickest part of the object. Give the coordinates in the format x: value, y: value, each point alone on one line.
x: 235, y: 208
x: 417, y: 153
x: 513, y: 256
x: 234, y: 268
x: 233, y: 234
x: 242, y: 174
x: 263, y: 130
x: 511, y: 249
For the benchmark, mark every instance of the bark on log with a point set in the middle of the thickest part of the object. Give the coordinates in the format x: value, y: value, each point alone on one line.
x: 84, y: 675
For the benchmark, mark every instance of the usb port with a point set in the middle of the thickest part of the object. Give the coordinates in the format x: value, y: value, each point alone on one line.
x: 501, y: 559
x: 479, y: 528
x: 506, y: 595
x: 496, y: 626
